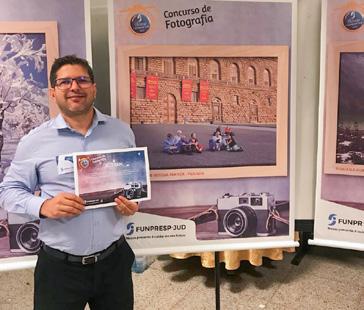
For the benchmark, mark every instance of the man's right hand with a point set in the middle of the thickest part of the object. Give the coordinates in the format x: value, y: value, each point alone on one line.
x: 62, y: 205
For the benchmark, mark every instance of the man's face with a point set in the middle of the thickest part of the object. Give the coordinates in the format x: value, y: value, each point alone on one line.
x: 74, y: 101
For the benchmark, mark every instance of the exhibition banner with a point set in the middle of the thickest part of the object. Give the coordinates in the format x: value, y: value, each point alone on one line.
x: 219, y: 124
x: 30, y: 41
x: 339, y: 212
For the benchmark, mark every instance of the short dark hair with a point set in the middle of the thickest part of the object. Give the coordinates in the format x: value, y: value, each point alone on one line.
x: 69, y: 60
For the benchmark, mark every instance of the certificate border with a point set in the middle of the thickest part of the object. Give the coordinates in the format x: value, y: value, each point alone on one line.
x: 75, y: 172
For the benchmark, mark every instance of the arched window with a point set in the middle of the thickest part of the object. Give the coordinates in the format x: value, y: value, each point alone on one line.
x: 215, y: 70
x: 252, y: 76
x: 193, y: 67
x: 234, y: 73
x: 267, y: 78
x: 216, y: 110
x: 168, y: 66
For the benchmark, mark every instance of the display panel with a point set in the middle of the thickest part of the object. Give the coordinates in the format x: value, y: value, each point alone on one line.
x: 339, y: 196
x: 27, y: 50
x: 185, y: 76
x: 35, y: 24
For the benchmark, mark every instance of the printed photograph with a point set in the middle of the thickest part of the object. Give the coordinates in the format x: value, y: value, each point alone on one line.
x: 24, y: 89
x: 18, y: 235
x: 4, y: 234
x: 222, y: 111
x: 350, y: 130
x: 25, y: 56
x: 100, y: 177
x: 343, y: 121
x: 241, y: 215
x: 200, y: 114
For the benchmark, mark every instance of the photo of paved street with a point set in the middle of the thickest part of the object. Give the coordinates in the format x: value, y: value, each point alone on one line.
x: 258, y: 143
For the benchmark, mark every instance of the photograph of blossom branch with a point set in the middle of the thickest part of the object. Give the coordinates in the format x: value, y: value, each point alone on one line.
x: 23, y: 89
x: 26, y: 51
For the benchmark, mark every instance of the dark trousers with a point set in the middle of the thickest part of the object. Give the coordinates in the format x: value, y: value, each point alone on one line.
x: 106, y: 285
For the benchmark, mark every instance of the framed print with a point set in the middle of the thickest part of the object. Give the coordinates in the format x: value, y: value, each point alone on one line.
x: 205, y: 114
x: 344, y: 113
x: 28, y: 50
x: 102, y: 176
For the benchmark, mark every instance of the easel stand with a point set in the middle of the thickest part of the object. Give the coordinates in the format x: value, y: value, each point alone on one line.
x: 303, y: 248
x: 217, y: 280
x: 305, y: 229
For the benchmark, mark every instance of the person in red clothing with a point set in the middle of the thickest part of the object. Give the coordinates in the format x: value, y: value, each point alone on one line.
x: 195, y: 145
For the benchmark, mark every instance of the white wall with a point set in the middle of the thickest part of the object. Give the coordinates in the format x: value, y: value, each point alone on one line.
x: 100, y: 53
x: 308, y: 75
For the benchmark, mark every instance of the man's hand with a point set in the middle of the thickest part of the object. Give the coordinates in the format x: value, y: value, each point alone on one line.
x: 62, y: 205
x: 125, y: 206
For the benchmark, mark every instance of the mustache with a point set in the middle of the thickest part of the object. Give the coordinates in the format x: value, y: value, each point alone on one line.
x: 75, y: 93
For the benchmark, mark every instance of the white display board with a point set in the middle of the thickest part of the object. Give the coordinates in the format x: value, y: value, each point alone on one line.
x: 188, y: 209
x: 57, y: 29
x: 339, y: 212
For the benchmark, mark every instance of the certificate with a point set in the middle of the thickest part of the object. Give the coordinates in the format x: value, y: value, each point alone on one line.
x: 101, y: 176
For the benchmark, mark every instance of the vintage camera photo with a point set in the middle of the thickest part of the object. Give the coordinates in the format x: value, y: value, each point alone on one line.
x: 23, y: 234
x: 247, y: 215
x: 235, y: 215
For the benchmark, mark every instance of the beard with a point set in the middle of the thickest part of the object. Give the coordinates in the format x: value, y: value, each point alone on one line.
x: 72, y: 109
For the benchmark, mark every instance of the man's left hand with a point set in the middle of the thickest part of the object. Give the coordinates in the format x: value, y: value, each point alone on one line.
x: 125, y: 206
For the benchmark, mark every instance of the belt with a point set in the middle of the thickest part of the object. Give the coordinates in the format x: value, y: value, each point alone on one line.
x: 87, y: 259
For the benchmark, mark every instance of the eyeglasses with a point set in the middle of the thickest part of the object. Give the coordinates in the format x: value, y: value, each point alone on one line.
x: 66, y: 83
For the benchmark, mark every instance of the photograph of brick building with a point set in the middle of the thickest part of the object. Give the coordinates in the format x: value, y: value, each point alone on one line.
x: 179, y: 90
x: 174, y: 97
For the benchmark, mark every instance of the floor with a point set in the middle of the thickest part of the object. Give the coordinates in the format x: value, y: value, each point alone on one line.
x: 326, y: 278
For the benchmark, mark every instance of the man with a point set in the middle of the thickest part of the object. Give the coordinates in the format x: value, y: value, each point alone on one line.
x: 169, y: 145
x: 84, y: 258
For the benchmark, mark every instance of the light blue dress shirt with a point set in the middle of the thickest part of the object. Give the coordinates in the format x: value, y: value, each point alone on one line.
x: 34, y: 166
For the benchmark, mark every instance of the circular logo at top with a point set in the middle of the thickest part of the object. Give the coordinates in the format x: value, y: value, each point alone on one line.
x: 84, y: 162
x: 353, y: 20
x: 140, y: 23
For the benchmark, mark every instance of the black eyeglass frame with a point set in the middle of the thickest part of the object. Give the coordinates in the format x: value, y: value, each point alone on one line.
x: 79, y: 80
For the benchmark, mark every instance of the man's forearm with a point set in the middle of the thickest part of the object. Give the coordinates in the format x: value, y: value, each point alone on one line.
x: 16, y: 199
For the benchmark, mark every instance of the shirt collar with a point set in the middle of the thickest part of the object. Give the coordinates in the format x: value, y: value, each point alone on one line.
x: 60, y: 123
